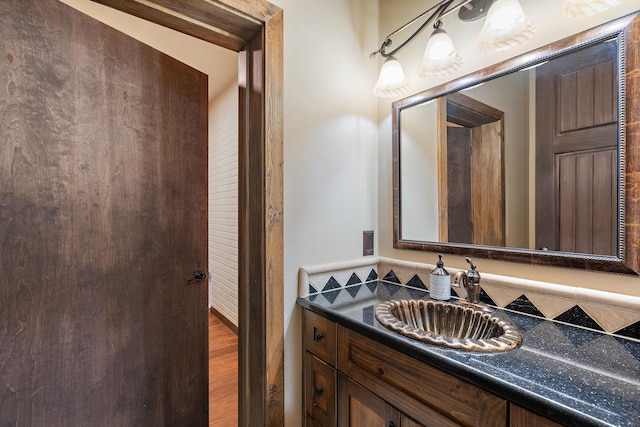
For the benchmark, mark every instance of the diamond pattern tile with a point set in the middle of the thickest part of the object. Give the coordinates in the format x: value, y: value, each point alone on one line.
x: 523, y: 305
x: 372, y: 275
x: 331, y: 290
x: 500, y: 294
x: 484, y: 297
x: 415, y: 282
x: 457, y: 292
x: 391, y: 277
x: 610, y: 319
x: 353, y: 290
x: 372, y: 286
x: 577, y: 316
x: 550, y: 305
x: 417, y: 294
x: 353, y: 279
x: 631, y: 331
x: 391, y: 288
x: 312, y: 290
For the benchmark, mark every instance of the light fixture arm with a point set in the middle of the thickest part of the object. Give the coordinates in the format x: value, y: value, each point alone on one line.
x: 437, y: 12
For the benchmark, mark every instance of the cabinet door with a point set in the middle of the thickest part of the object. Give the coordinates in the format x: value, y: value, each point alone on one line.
x: 320, y: 391
x: 405, y: 421
x: 520, y: 417
x: 358, y: 407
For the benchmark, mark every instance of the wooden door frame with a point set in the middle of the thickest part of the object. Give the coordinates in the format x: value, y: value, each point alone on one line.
x: 468, y: 112
x: 254, y: 28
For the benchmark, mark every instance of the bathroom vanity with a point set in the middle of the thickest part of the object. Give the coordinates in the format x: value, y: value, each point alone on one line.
x: 359, y: 373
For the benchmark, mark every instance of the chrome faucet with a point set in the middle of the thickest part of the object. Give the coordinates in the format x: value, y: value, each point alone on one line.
x: 471, y: 282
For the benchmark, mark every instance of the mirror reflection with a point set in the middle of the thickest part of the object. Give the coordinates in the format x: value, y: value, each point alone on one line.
x: 527, y: 160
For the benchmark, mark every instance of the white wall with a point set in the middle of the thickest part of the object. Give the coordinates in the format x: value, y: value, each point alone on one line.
x: 330, y: 150
x: 550, y: 26
x: 223, y: 202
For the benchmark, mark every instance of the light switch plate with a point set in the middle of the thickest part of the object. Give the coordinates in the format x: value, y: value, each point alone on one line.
x: 367, y: 242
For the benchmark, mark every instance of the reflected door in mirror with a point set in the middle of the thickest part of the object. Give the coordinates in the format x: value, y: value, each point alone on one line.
x: 577, y: 151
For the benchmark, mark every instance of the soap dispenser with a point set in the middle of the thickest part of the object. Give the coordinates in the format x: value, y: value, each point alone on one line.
x: 440, y: 282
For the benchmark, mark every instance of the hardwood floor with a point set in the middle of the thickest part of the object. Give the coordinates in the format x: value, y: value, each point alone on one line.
x: 223, y: 374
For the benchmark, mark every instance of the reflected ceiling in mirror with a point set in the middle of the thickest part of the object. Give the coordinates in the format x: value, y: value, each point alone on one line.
x: 527, y: 160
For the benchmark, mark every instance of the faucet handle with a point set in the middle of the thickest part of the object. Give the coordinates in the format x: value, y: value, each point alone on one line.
x: 473, y: 274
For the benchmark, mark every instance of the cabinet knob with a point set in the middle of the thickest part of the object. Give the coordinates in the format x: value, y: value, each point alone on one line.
x: 318, y: 337
x: 392, y: 424
x: 319, y: 392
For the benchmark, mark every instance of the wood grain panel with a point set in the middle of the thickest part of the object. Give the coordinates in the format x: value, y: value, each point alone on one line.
x: 101, y: 222
x: 320, y: 390
x: 520, y: 417
x: 320, y: 337
x: 410, y: 385
x: 487, y: 184
x: 261, y: 132
x: 459, y: 192
x: 359, y: 407
x: 208, y: 21
x: 261, y: 229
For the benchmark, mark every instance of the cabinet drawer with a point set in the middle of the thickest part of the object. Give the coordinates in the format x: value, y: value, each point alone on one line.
x: 320, y: 337
x: 415, y: 387
x: 320, y: 392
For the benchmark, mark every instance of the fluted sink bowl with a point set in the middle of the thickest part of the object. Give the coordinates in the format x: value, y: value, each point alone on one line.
x: 449, y: 325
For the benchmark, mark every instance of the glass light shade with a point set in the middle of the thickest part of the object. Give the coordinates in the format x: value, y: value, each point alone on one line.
x: 440, y: 56
x: 506, y: 26
x: 392, y: 81
x: 577, y: 8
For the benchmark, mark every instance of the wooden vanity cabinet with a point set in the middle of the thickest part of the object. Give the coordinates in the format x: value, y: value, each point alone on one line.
x: 520, y: 417
x: 351, y: 380
x: 320, y: 375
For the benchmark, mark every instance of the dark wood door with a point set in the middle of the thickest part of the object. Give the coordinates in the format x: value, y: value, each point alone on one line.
x: 102, y: 222
x: 576, y: 152
x: 460, y: 221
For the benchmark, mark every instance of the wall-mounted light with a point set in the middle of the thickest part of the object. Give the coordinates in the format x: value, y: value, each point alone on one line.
x: 505, y: 26
x: 577, y: 8
x: 440, y: 55
x: 392, y: 81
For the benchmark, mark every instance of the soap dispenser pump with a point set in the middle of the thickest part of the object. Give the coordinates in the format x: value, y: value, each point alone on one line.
x: 440, y: 282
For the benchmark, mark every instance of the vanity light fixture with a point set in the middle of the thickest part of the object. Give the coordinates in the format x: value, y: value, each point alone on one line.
x: 505, y: 27
x: 578, y: 8
x: 392, y: 80
x: 440, y: 56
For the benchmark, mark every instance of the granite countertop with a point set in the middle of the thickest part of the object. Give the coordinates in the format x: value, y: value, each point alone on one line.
x: 574, y: 376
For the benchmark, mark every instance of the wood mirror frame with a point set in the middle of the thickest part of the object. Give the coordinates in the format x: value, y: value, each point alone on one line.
x: 627, y: 260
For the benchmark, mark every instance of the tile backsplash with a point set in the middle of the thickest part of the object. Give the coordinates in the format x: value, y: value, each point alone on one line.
x: 605, y: 312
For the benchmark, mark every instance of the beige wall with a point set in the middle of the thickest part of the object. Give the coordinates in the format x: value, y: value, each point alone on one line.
x: 550, y: 26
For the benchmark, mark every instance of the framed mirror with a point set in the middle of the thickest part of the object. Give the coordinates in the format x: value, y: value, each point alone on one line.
x: 532, y: 160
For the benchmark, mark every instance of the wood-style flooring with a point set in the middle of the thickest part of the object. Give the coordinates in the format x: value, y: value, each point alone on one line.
x: 223, y: 374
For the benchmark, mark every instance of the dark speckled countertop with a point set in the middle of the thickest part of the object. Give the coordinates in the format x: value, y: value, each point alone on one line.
x: 573, y: 376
